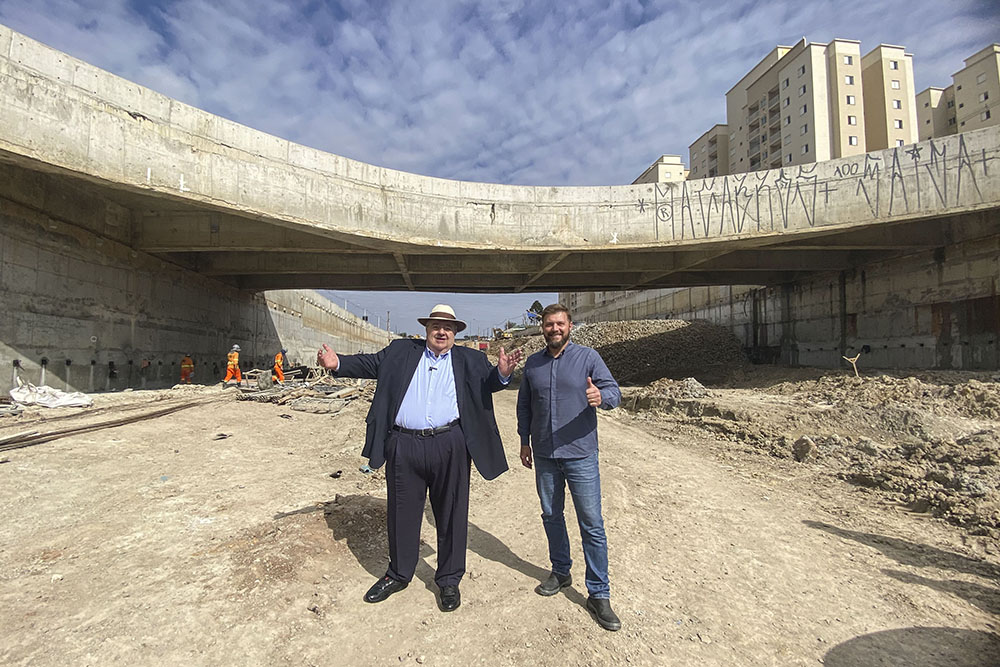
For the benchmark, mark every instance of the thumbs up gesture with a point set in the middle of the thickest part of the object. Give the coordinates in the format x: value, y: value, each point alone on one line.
x: 593, y: 394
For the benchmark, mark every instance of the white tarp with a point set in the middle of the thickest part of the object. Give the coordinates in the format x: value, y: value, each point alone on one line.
x: 29, y: 394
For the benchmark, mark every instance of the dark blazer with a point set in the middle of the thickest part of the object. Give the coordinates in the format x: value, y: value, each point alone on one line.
x: 475, y: 381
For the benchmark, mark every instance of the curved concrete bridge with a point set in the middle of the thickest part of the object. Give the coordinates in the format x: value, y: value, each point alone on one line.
x: 152, y: 175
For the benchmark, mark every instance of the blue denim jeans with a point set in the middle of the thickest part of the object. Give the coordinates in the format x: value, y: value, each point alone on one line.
x: 584, y: 478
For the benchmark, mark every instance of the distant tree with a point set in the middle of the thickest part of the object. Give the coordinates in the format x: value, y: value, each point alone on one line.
x: 510, y: 324
x: 537, y: 307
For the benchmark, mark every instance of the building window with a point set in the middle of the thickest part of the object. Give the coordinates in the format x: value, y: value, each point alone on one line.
x: 802, y: 89
x: 849, y: 79
x: 897, y: 104
x: 804, y: 129
x: 898, y: 124
x: 895, y: 84
x: 802, y: 70
x: 805, y: 148
x: 805, y: 108
x: 786, y: 102
x: 848, y: 60
x: 784, y: 84
x: 852, y: 120
x: 893, y: 64
x: 961, y: 104
x: 985, y: 115
x: 981, y: 78
x: 983, y: 96
x: 951, y: 104
x: 927, y: 122
x: 958, y: 88
x: 926, y: 104
x: 850, y: 99
x: 899, y: 142
x: 951, y: 121
x: 788, y: 158
x: 852, y: 140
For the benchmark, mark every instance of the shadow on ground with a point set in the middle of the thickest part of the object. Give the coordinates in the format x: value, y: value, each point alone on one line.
x: 912, y: 553
x: 917, y: 647
x: 359, y: 521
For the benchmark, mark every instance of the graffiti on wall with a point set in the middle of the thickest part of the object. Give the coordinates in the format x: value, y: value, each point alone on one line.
x: 927, y: 176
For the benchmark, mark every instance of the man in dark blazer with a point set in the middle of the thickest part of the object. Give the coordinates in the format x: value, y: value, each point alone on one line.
x: 432, y: 412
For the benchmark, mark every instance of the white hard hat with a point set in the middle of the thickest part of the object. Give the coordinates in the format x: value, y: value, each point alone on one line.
x: 236, y: 347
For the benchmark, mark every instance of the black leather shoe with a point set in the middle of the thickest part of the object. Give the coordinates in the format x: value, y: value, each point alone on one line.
x: 554, y: 584
x: 450, y: 598
x: 383, y: 588
x: 601, y: 609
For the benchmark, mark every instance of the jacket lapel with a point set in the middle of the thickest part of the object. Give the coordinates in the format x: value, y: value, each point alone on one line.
x: 458, y: 368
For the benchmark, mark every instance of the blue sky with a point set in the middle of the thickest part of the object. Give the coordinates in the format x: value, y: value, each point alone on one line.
x: 507, y: 91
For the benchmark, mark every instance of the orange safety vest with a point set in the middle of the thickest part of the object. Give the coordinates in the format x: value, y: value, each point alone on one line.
x: 279, y: 359
x: 234, y: 359
x: 187, y: 362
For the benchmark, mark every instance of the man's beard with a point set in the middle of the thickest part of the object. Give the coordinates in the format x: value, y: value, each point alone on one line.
x: 554, y: 345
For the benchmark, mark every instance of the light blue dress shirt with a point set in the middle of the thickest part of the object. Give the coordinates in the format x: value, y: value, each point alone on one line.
x: 430, y: 400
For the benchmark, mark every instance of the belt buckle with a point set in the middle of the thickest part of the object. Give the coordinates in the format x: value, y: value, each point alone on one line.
x: 424, y: 432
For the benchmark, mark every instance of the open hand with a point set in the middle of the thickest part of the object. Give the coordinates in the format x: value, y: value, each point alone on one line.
x: 327, y: 358
x: 593, y: 394
x: 507, y: 362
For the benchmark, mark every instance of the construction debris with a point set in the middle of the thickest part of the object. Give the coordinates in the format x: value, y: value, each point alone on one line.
x: 321, y: 395
x: 642, y: 351
x: 48, y: 397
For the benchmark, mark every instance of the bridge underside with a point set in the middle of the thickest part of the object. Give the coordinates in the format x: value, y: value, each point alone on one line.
x: 264, y: 254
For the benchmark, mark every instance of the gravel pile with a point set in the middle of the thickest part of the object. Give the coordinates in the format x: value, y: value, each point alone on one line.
x: 643, y: 351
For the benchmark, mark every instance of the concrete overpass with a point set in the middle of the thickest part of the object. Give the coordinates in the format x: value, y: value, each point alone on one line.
x: 148, y: 174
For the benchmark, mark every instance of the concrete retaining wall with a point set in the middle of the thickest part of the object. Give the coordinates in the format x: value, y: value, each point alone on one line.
x: 934, y: 309
x: 73, y: 296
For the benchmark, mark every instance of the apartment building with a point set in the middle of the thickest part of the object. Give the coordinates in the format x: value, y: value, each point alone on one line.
x: 666, y: 168
x: 889, y: 97
x: 969, y: 103
x: 809, y: 102
x: 936, y: 113
x: 709, y: 154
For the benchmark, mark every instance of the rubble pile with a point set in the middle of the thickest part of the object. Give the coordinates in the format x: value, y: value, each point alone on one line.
x: 642, y: 351
x: 930, y: 441
x: 325, y: 396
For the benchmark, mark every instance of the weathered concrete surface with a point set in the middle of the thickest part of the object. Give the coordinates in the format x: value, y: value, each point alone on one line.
x: 77, y: 306
x: 210, y: 195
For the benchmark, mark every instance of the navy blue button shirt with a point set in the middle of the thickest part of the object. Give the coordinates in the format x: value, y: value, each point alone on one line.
x: 552, y: 411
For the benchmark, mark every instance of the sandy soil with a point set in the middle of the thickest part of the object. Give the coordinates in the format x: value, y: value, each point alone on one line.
x: 154, y: 543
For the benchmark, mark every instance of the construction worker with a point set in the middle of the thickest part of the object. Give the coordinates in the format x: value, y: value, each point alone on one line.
x: 278, y: 375
x: 187, y: 369
x: 233, y: 366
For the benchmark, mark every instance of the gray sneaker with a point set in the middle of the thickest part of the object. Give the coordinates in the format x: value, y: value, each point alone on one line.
x: 606, y: 618
x: 554, y: 584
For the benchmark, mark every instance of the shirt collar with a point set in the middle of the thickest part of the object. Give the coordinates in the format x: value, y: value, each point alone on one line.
x: 433, y: 357
x: 568, y: 345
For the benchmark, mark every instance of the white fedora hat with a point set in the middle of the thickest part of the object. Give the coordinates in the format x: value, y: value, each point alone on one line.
x: 444, y: 313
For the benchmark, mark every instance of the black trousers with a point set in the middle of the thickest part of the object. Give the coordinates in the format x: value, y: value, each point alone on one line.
x: 416, y: 465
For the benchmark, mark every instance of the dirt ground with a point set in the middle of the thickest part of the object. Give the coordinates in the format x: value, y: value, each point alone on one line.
x: 156, y: 543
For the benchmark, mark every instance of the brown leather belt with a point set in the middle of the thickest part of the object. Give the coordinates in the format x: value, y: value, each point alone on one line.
x: 427, y: 431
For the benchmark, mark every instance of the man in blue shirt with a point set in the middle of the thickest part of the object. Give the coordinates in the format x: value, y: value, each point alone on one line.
x: 432, y: 412
x: 557, y: 421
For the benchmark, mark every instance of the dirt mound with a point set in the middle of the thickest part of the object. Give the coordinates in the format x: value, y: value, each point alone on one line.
x: 642, y: 351
x: 928, y: 441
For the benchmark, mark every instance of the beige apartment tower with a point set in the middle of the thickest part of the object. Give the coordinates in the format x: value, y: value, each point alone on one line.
x: 969, y: 103
x: 799, y: 104
x: 709, y: 154
x: 813, y: 102
x: 666, y: 169
x: 890, y: 107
